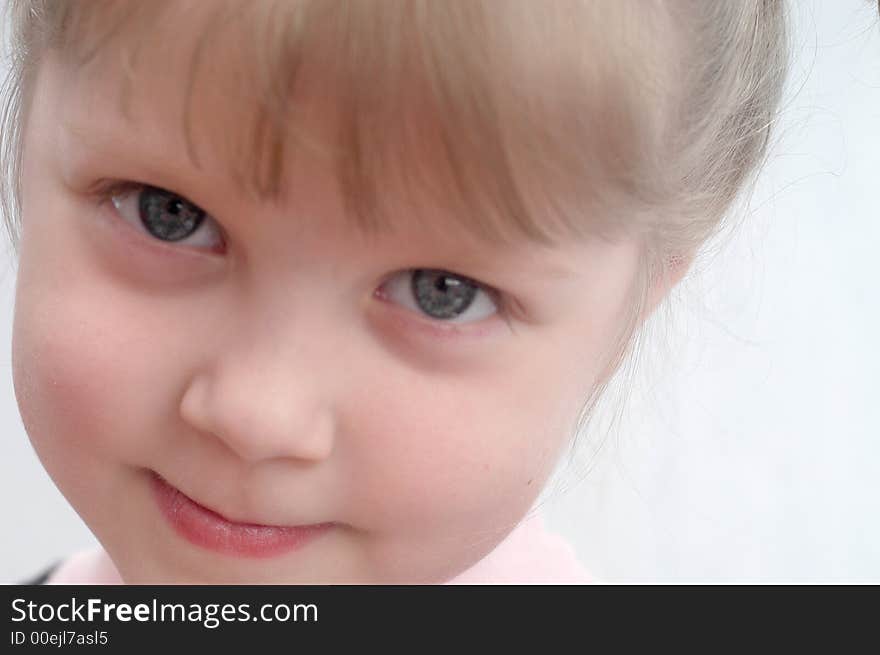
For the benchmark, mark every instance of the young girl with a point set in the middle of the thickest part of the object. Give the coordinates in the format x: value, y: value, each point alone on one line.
x: 321, y: 292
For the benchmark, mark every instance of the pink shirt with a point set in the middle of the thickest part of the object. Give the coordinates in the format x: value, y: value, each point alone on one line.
x: 528, y: 555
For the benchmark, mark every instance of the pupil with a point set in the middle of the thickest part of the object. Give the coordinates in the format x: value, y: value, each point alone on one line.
x: 442, y: 295
x: 167, y: 216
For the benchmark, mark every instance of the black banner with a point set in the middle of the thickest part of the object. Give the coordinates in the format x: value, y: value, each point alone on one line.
x: 129, y: 619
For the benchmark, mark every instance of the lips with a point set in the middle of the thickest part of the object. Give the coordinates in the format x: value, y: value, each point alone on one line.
x: 208, y: 529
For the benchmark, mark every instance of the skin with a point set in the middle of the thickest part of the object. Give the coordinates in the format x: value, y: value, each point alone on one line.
x: 269, y: 381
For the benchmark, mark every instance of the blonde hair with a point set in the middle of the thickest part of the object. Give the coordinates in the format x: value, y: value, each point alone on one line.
x: 639, y: 118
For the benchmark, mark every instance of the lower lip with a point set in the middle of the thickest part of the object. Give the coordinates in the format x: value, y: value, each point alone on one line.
x: 207, y: 529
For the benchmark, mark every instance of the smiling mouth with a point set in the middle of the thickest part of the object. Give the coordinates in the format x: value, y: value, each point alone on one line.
x: 208, y: 529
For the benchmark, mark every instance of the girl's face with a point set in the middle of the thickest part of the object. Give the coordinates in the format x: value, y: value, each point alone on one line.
x: 274, y: 365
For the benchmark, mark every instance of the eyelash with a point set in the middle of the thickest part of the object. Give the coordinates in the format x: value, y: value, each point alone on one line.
x: 105, y: 191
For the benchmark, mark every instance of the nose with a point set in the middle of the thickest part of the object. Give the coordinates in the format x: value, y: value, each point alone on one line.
x: 260, y: 411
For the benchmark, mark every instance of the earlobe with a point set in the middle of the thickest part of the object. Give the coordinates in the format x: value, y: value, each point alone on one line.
x: 674, y: 270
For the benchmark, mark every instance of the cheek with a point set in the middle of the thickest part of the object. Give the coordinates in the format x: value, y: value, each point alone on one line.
x: 62, y: 379
x: 445, y: 471
x: 461, y: 455
x: 54, y: 381
x: 79, y: 370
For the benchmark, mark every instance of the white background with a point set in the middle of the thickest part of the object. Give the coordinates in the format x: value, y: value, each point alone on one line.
x: 752, y: 452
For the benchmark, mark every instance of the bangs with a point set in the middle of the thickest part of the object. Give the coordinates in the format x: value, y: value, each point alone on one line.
x: 521, y: 121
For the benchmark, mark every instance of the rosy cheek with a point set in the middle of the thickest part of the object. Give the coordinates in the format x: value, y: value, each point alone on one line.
x: 69, y: 378
x: 53, y: 383
x: 442, y: 461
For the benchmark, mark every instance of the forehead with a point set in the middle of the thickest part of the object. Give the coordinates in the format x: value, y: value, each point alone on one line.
x: 523, y: 151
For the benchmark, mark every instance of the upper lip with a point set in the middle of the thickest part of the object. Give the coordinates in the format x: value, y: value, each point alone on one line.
x: 224, y: 516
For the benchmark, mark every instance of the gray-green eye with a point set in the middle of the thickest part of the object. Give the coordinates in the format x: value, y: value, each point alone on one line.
x: 165, y: 216
x: 442, y: 295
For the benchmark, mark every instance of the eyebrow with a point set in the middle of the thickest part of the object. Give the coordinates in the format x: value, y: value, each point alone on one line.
x: 105, y: 143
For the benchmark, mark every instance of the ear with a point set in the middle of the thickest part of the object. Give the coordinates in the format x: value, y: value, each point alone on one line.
x: 676, y: 267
